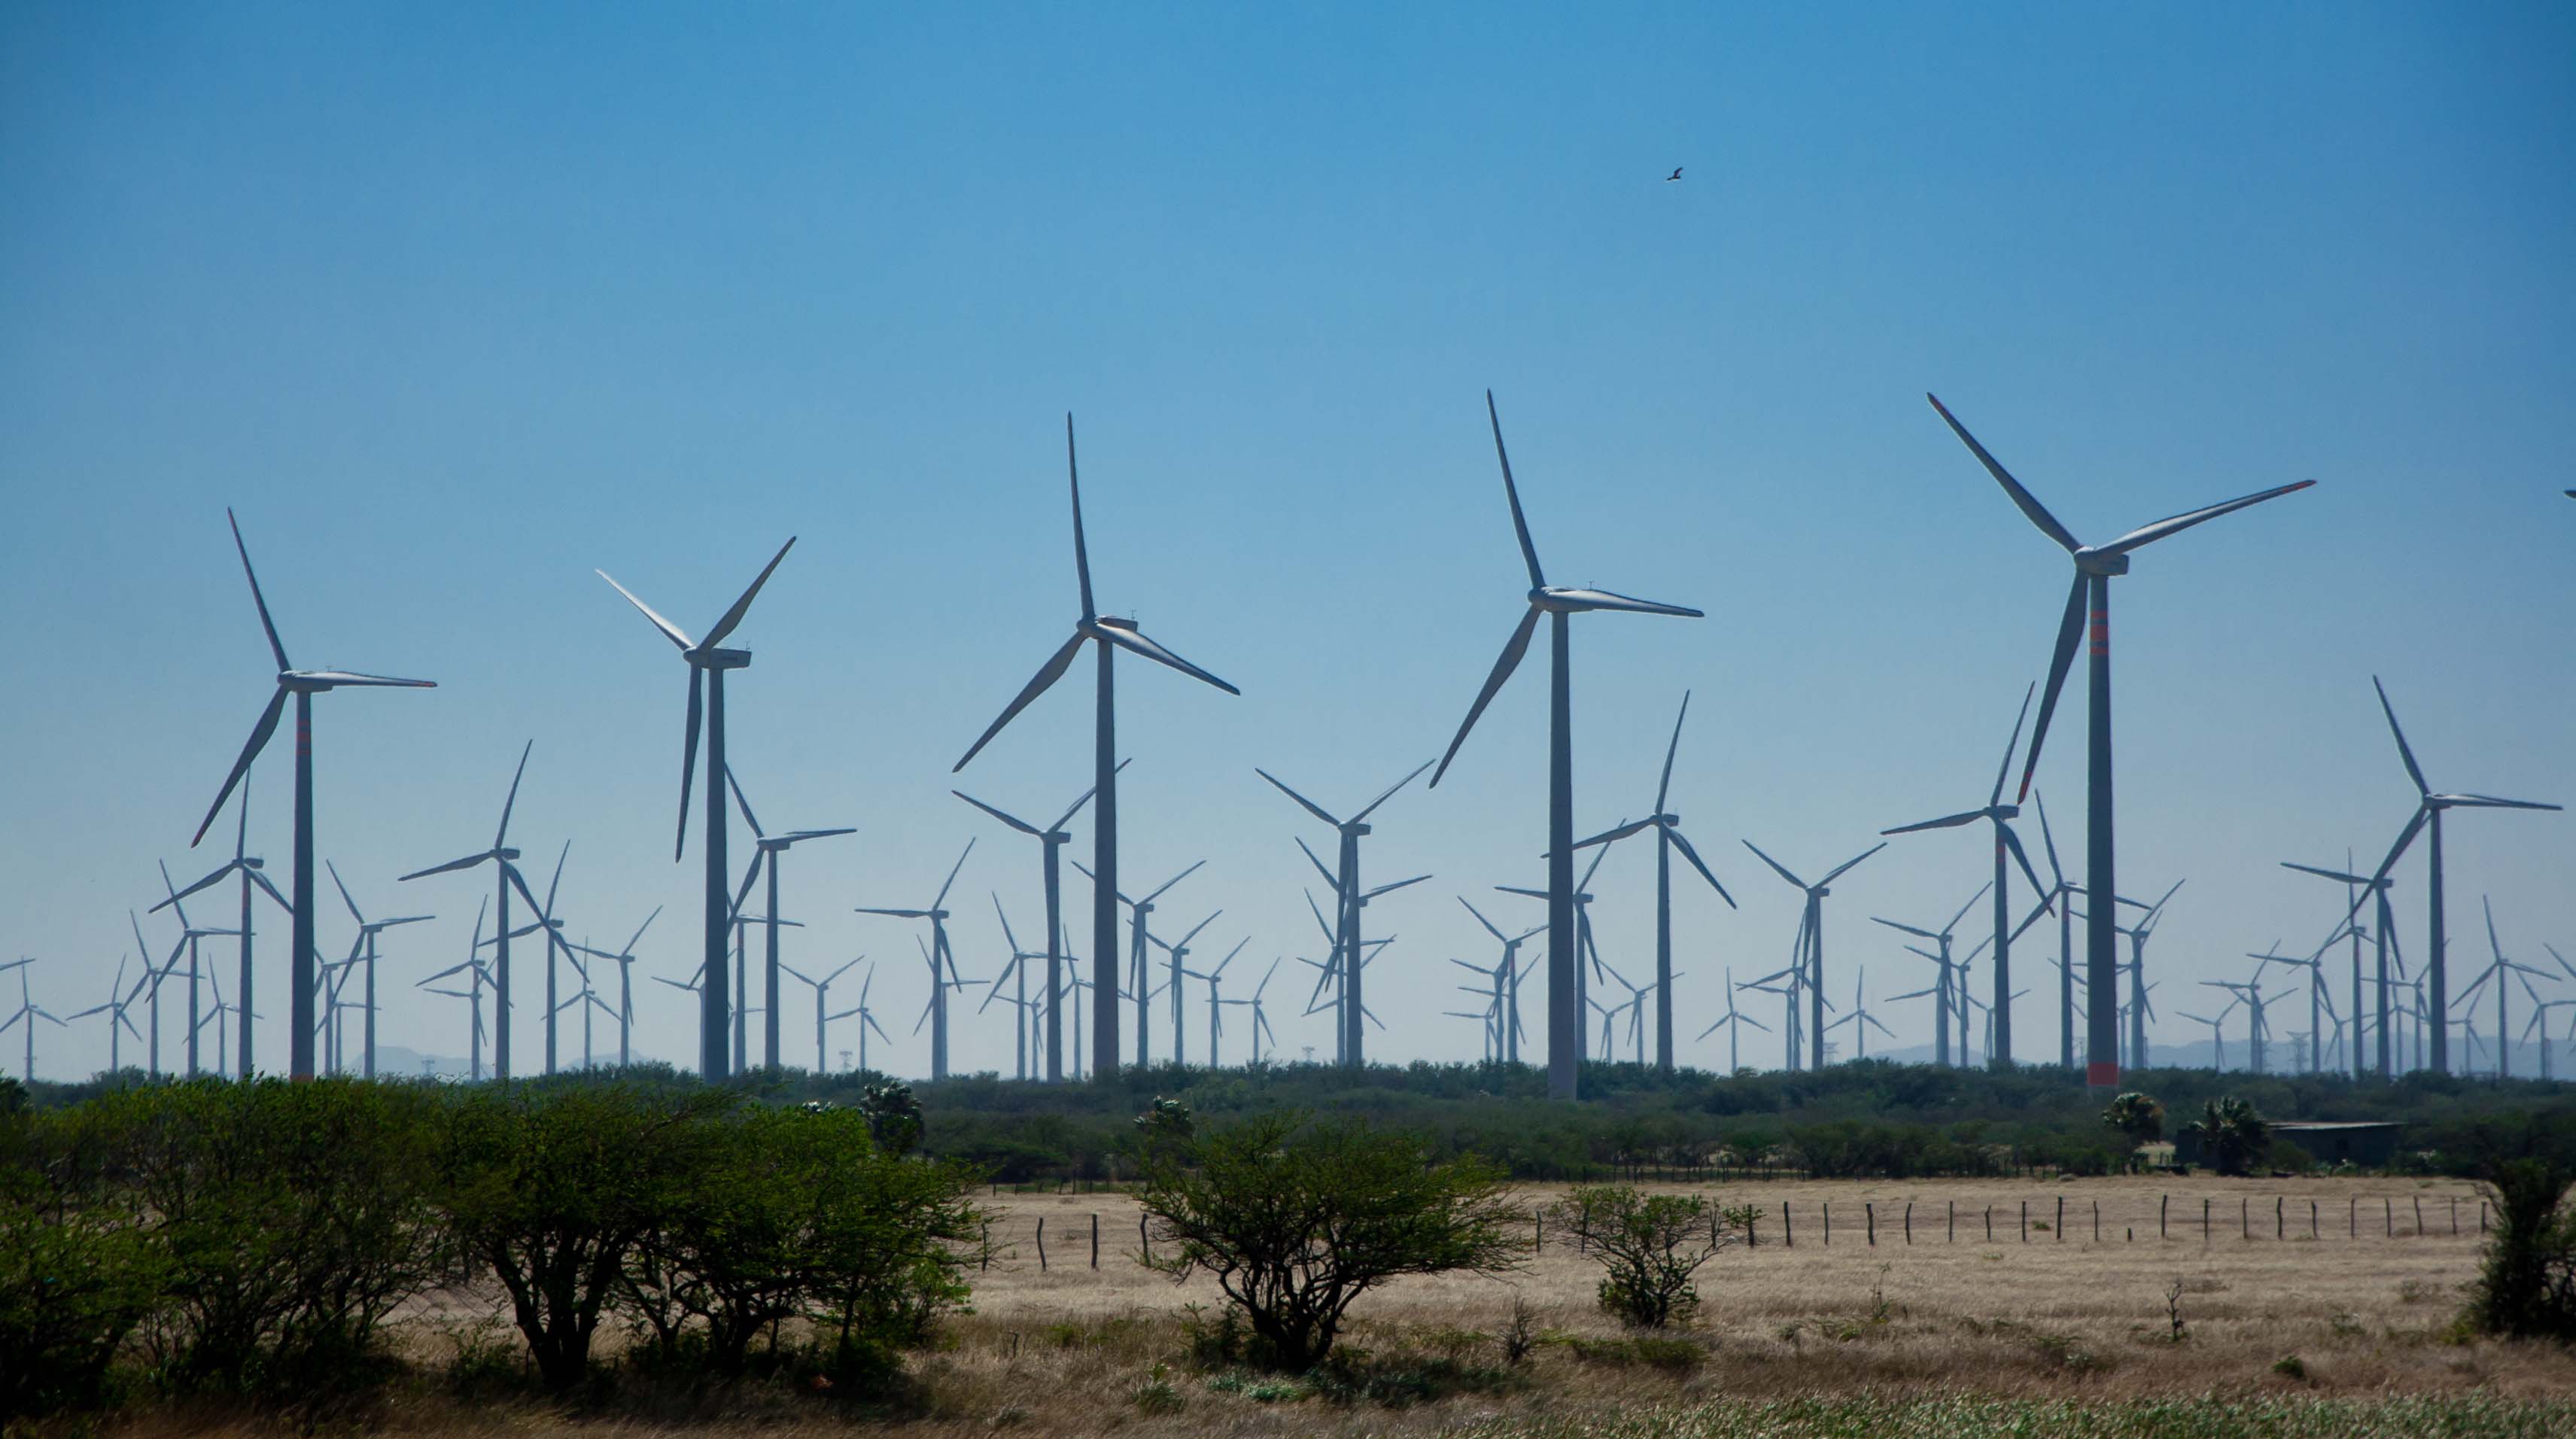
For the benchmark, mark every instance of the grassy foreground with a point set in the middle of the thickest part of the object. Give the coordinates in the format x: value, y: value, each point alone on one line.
x: 2412, y: 1418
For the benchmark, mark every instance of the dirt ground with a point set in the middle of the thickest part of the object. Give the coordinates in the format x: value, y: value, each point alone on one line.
x: 2026, y: 1315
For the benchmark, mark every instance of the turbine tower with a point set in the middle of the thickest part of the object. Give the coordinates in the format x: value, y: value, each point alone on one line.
x: 625, y: 962
x: 1945, y: 989
x: 361, y: 948
x: 1734, y: 1021
x: 1349, y: 898
x: 1050, y: 839
x: 2379, y: 934
x: 503, y: 858
x: 1508, y: 975
x: 772, y: 847
x: 2000, y: 815
x: 1668, y: 836
x: 2429, y: 808
x: 707, y: 663
x: 1564, y: 962
x: 248, y: 867
x: 1811, y: 938
x: 941, y: 962
x: 2095, y: 566
x: 303, y: 685
x: 1109, y: 635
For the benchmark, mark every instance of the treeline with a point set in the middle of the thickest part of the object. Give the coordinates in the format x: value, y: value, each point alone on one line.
x: 1865, y: 1119
x: 252, y: 1240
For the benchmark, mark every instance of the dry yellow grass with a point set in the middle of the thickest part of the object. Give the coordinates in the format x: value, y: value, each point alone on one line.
x: 1065, y: 1349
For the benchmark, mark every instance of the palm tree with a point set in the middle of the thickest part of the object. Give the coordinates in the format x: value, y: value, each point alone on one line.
x: 2137, y: 1117
x: 2231, y: 1134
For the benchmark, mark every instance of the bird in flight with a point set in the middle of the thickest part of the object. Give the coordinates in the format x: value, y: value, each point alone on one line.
x: 1677, y: 174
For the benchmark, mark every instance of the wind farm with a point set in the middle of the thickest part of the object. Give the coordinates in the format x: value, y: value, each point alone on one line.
x: 1856, y: 368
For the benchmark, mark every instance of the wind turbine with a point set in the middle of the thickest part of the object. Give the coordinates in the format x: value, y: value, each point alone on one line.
x: 1017, y: 971
x: 2314, y: 964
x: 1216, y: 1011
x: 1180, y: 952
x: 2377, y: 887
x: 363, y: 947
x: 1108, y: 634
x: 2000, y: 815
x: 625, y: 962
x: 475, y: 977
x: 115, y: 1009
x: 30, y: 1011
x: 2498, y: 972
x: 1862, y: 1021
x: 2429, y: 808
x: 147, y: 987
x: 771, y: 848
x: 2095, y: 565
x: 1585, y: 951
x: 1260, y: 1021
x: 941, y: 962
x: 1944, y: 989
x: 867, y: 1019
x: 1348, y: 942
x: 1668, y: 836
x: 2217, y: 1036
x: 248, y: 867
x: 2257, y: 1028
x: 1734, y: 1020
x: 503, y: 859
x: 1349, y: 898
x: 189, y: 935
x: 1508, y: 975
x: 821, y: 988
x: 1050, y: 839
x: 303, y: 685
x: 707, y: 665
x: 1138, y: 959
x: 1811, y: 935
x: 1564, y: 961
x: 2139, y: 1008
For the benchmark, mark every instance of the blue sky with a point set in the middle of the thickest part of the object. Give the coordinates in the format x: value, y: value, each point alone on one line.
x: 455, y: 305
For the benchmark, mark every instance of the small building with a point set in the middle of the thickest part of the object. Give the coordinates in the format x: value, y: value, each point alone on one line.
x: 2365, y: 1143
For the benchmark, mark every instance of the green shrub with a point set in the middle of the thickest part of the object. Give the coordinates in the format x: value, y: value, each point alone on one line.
x: 1649, y: 1246
x: 77, y: 1275
x: 2526, y: 1284
x: 1297, y: 1221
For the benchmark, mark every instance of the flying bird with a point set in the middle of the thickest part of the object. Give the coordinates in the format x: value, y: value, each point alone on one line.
x: 1677, y: 174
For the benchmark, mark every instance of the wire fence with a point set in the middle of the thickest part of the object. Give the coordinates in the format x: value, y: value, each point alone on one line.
x: 1076, y: 1239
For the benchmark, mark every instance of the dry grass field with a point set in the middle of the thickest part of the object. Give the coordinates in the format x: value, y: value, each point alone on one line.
x: 2053, y: 1332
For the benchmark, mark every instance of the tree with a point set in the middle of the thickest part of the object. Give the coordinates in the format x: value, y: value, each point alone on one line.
x: 1650, y: 1245
x: 551, y: 1187
x: 893, y: 1116
x: 1296, y: 1221
x: 2231, y: 1134
x: 2526, y: 1284
x: 2136, y: 1116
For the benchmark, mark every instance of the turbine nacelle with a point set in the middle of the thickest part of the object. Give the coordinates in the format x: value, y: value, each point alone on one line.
x: 2106, y: 563
x: 717, y: 659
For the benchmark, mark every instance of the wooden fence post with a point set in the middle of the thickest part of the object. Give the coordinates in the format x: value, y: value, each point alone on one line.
x: 2312, y: 1219
x: 1095, y: 1241
x: 987, y: 1256
x: 1538, y: 1231
x: 1788, y: 1237
x: 2482, y: 1216
x: 1909, y: 1222
x: 2244, y: 1217
x: 2025, y: 1221
x: 2419, y: 1216
x: 1828, y: 1206
x: 1990, y: 1224
x: 2388, y: 1216
x: 2162, y: 1202
x: 1870, y: 1212
x: 1954, y: 1221
x: 1042, y: 1264
x: 2204, y: 1219
x: 2061, y: 1219
x: 2279, y: 1219
x: 2455, y: 1205
x: 2097, y: 1221
x: 1144, y: 1241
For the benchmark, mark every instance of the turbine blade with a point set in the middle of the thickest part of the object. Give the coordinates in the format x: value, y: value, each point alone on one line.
x: 1783, y: 872
x: 468, y: 862
x: 259, y: 733
x: 1480, y: 919
x: 1838, y: 870
x: 952, y: 874
x: 1135, y: 640
x: 743, y: 804
x: 2070, y: 629
x: 266, y: 625
x: 344, y: 892
x: 2012, y: 842
x: 1310, y: 806
x: 1664, y: 787
x: 2010, y: 745
x: 1511, y: 492
x: 1389, y: 793
x: 1683, y: 844
x: 1612, y: 836
x: 1513, y: 649
x: 208, y: 882
x: 1587, y: 601
x: 1330, y: 878
x: 2488, y: 801
x: 1947, y: 821
x: 1022, y: 826
x: 2405, y: 751
x: 502, y: 838
x: 733, y: 617
x: 1175, y: 879
x: 1081, y: 553
x: 2047, y: 840
x: 669, y: 630
x: 2031, y: 508
x: 2149, y: 534
x: 1038, y: 684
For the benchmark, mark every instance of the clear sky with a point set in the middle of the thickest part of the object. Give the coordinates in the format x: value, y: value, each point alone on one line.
x: 456, y: 303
